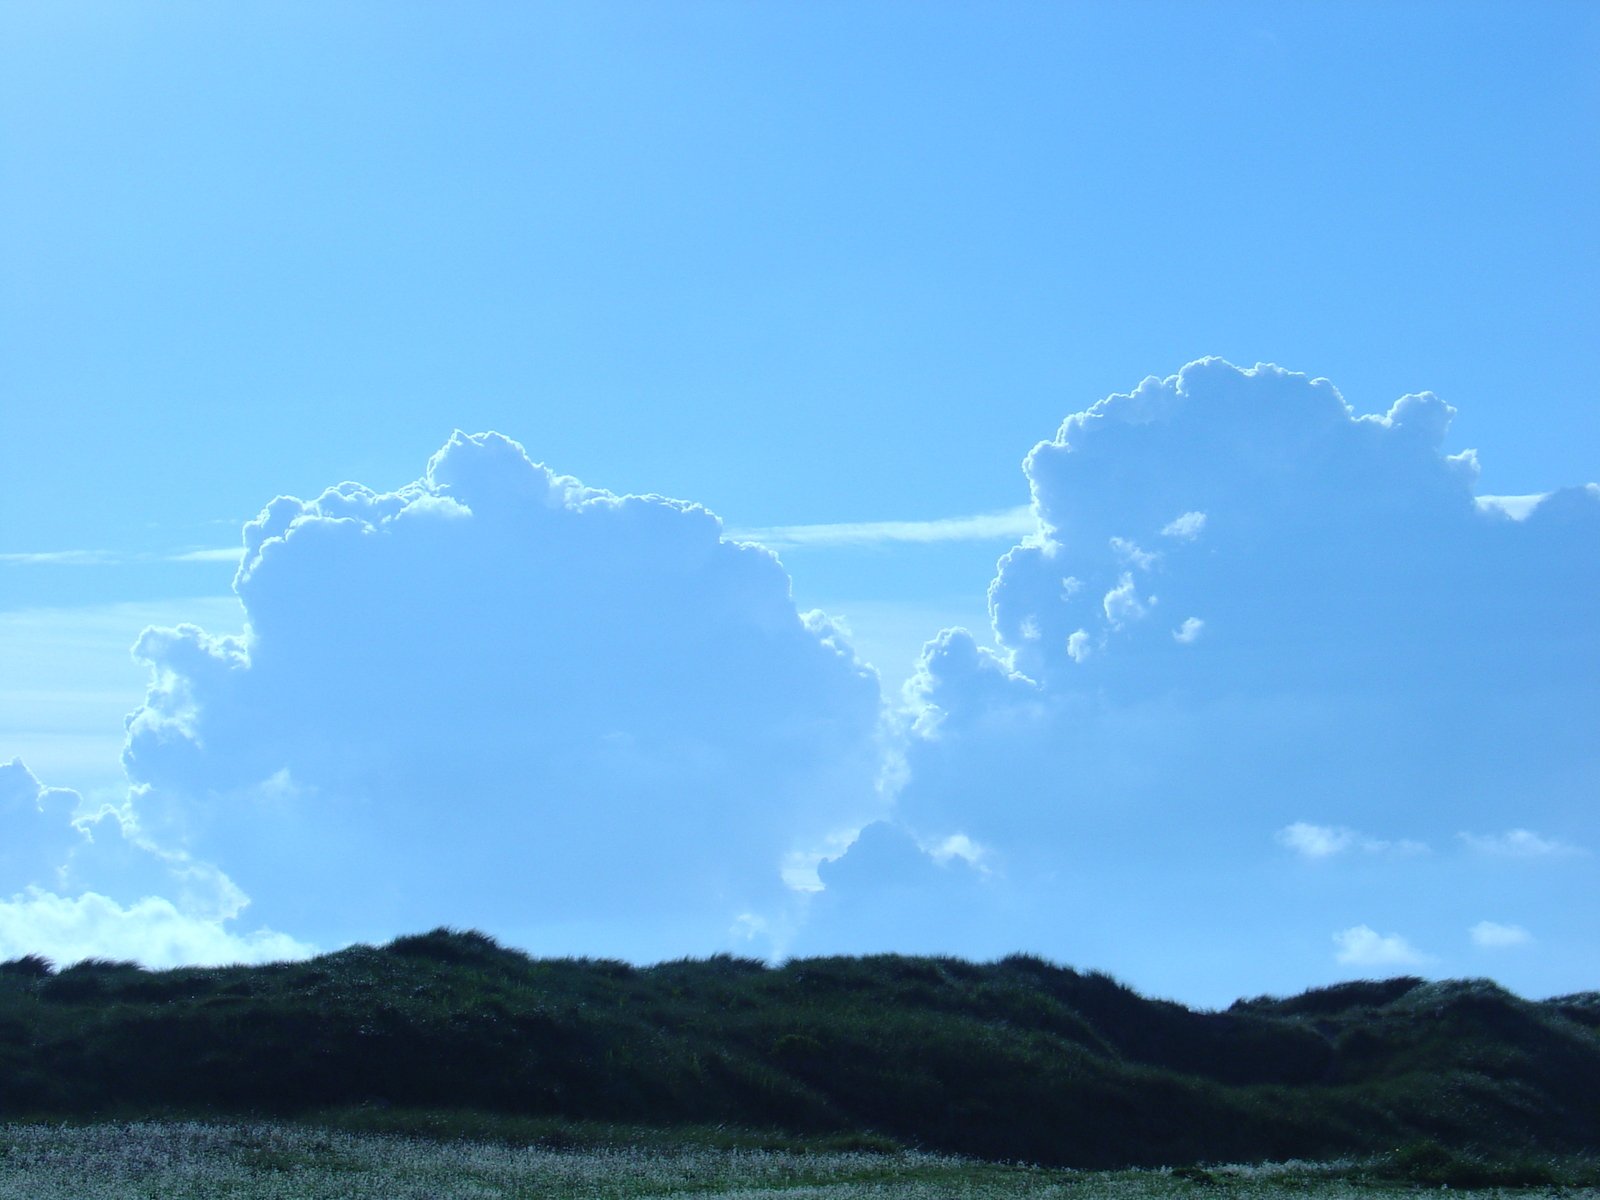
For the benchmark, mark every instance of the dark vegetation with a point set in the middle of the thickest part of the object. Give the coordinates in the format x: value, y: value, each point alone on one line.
x: 1017, y: 1059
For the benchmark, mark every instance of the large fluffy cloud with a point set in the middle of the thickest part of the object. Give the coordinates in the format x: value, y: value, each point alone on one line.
x: 1250, y: 609
x: 497, y: 697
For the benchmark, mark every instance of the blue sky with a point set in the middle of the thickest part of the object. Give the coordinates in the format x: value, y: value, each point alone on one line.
x: 831, y: 272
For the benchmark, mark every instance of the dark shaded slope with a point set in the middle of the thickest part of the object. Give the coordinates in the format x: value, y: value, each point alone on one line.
x: 1014, y: 1059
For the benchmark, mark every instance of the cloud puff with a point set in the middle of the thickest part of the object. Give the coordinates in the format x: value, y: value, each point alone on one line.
x: 1494, y: 936
x: 1186, y: 527
x: 1316, y: 841
x: 498, y: 697
x: 1362, y: 946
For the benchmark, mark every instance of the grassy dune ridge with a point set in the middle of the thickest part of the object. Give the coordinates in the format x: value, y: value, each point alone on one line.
x: 1016, y: 1060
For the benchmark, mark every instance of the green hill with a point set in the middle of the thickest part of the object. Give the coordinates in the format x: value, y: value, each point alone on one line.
x: 1016, y: 1059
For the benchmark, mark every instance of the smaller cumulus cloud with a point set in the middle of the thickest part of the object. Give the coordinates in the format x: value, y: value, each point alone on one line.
x: 1363, y: 946
x: 1520, y: 843
x: 1494, y: 936
x: 1319, y: 575
x: 1325, y: 841
x: 153, y: 931
x: 46, y: 909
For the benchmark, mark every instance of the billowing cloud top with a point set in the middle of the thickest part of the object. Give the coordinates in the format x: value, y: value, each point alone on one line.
x: 1248, y: 528
x: 498, y: 697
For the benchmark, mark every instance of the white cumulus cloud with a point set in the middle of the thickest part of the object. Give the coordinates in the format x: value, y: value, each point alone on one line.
x: 499, y: 697
x: 1375, y: 643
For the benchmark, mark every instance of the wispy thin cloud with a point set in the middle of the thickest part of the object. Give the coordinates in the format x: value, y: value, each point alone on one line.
x: 230, y: 554
x: 116, y: 558
x: 67, y: 558
x: 1010, y: 523
x: 1520, y: 843
x: 1325, y: 841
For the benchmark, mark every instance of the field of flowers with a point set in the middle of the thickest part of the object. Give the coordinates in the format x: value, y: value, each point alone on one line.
x: 180, y: 1160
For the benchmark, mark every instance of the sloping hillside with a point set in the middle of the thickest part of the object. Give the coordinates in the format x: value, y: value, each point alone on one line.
x: 1016, y: 1059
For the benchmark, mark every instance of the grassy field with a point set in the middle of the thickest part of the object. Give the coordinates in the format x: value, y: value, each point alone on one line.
x: 246, y: 1161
